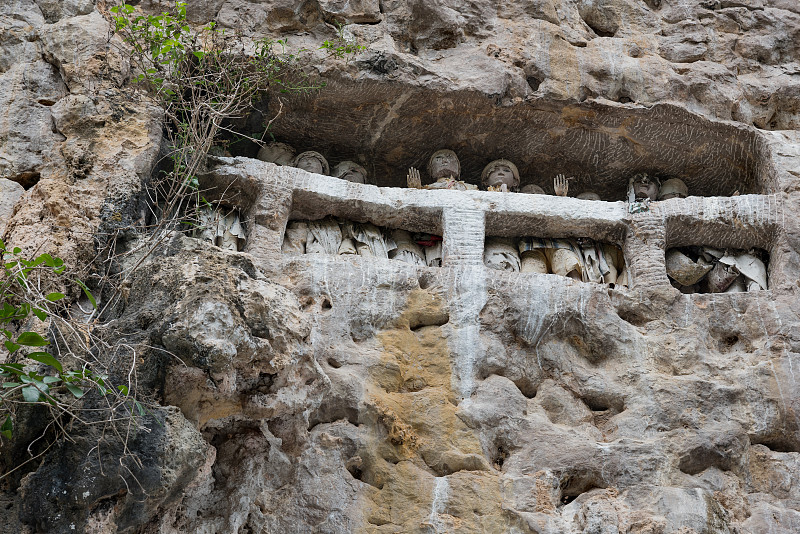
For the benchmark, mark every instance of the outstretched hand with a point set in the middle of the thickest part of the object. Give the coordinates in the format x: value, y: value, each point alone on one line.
x: 413, y: 179
x: 561, y: 185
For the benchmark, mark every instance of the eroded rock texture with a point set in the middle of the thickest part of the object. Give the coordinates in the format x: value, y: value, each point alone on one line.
x: 350, y: 394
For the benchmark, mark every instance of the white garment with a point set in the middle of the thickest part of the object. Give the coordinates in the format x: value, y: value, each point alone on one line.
x: 433, y: 255
x: 324, y: 237
x: 406, y: 249
x: 501, y: 254
x: 294, y: 239
x: 751, y: 267
x: 230, y: 234
x: 369, y: 239
x: 207, y: 224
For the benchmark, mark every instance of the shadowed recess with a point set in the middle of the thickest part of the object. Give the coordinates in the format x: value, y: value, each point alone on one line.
x: 388, y: 128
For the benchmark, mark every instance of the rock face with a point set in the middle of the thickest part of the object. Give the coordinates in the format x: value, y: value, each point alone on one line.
x: 324, y: 393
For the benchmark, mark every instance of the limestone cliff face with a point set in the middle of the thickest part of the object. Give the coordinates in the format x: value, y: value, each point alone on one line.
x: 351, y: 394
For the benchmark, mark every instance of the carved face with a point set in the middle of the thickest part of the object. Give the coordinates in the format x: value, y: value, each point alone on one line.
x: 501, y: 174
x: 533, y: 189
x: 277, y: 153
x: 354, y: 175
x: 645, y: 187
x: 310, y: 164
x: 444, y: 164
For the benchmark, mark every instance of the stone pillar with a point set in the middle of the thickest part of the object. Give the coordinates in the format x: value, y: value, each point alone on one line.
x: 644, y: 251
x: 464, y: 232
x: 270, y: 214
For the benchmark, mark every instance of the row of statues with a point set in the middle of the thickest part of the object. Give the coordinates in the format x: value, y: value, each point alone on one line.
x: 581, y: 259
x: 711, y: 270
x: 444, y: 171
x: 335, y: 237
x: 311, y: 161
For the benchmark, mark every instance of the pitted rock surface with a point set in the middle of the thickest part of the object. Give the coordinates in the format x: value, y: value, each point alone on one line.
x: 338, y: 394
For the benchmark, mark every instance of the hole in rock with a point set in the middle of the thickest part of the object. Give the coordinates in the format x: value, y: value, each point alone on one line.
x: 601, y: 402
x: 534, y: 82
x: 336, y: 237
x: 776, y: 443
x: 333, y: 363
x: 263, y: 384
x: 355, y: 472
x: 422, y: 320
x: 598, y: 22
x: 710, y: 269
x: 499, y: 457
x: 669, y: 142
x: 633, y: 316
x: 701, y: 458
x: 526, y: 387
x: 572, y: 492
x: 426, y: 280
x: 582, y: 259
x: 731, y: 340
x: 326, y: 304
x: 600, y: 32
x: 595, y: 406
x: 27, y: 179
x: 332, y: 409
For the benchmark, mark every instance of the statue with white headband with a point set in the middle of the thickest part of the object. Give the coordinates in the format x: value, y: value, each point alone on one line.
x: 500, y: 175
x: 445, y: 169
x: 312, y: 161
x: 350, y: 171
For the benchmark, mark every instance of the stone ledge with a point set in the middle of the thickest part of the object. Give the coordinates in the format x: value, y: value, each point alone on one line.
x: 464, y: 218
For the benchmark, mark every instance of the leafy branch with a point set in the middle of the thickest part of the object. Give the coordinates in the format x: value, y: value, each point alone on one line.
x: 30, y: 373
x: 202, y: 78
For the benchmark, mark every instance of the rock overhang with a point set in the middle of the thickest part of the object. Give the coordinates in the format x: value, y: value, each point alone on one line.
x: 389, y: 127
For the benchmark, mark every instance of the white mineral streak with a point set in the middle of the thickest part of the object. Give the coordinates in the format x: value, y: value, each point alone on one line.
x: 439, y: 498
x: 463, y: 250
x: 467, y: 297
x: 787, y: 362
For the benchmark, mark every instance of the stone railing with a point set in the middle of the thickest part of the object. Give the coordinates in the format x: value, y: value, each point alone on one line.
x: 269, y: 196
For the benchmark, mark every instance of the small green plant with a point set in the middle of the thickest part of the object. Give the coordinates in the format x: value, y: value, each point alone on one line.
x: 32, y: 374
x: 343, y: 46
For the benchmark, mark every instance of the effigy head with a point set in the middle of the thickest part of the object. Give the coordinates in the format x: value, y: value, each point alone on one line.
x: 444, y: 164
x: 498, y: 172
x: 350, y: 171
x: 278, y: 153
x: 673, y: 188
x: 645, y: 186
x: 589, y: 195
x: 312, y: 161
x: 532, y: 189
